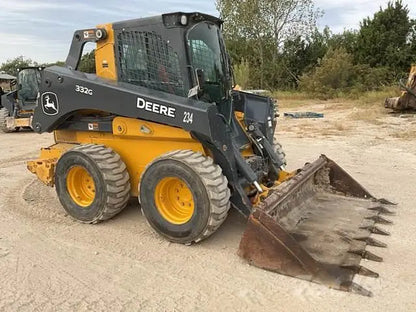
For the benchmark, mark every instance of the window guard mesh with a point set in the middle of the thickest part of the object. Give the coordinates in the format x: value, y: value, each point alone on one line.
x: 147, y: 60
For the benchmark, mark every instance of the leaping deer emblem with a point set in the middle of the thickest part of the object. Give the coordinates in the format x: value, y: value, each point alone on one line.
x: 50, y: 104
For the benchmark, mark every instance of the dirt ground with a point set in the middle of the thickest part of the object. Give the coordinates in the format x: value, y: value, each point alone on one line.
x: 48, y: 262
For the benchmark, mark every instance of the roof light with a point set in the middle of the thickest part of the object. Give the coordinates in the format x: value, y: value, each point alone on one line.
x: 184, y: 20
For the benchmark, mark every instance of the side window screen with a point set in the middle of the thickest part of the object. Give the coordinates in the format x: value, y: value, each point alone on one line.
x: 147, y: 60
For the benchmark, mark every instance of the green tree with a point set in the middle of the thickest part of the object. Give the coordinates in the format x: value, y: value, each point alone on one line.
x: 257, y: 29
x: 347, y: 40
x: 387, y: 39
x: 301, y: 55
x: 12, y: 66
x: 87, y: 63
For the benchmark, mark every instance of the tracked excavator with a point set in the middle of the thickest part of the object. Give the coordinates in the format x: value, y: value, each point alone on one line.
x: 160, y: 121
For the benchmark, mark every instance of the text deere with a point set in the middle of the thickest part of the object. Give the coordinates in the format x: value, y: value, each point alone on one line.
x: 156, y: 108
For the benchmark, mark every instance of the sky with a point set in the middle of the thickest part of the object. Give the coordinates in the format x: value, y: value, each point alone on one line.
x: 42, y: 30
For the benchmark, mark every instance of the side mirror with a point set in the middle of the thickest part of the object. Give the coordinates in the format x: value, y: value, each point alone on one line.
x: 200, y: 76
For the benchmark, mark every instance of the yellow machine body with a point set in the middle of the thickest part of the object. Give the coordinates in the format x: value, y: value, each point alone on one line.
x: 137, y: 142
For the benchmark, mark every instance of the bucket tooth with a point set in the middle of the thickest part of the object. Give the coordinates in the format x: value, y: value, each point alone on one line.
x: 385, y: 202
x: 358, y: 269
x: 382, y: 210
x: 375, y: 230
x: 380, y: 220
x: 355, y: 288
x: 371, y: 241
x: 366, y: 255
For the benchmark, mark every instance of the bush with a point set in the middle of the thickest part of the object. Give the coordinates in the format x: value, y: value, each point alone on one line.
x: 369, y: 79
x: 337, y: 76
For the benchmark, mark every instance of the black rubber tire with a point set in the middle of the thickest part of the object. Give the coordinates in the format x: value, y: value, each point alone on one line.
x: 278, y: 149
x: 209, y: 188
x: 110, y: 176
x: 4, y: 113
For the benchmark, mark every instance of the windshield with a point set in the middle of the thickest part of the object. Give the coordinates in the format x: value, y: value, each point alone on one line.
x: 207, y: 53
x: 29, y: 80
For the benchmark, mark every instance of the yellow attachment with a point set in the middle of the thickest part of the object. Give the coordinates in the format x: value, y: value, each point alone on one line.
x: 44, y: 169
x: 18, y: 122
x: 23, y: 122
x: 174, y: 200
x: 283, y: 176
x: 80, y: 186
x: 105, y: 65
x: 44, y: 166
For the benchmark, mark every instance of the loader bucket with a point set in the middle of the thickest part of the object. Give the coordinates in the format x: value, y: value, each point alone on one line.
x: 316, y: 227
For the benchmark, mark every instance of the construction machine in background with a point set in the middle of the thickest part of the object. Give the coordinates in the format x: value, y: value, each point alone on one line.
x: 18, y: 105
x: 160, y: 121
x: 407, y: 100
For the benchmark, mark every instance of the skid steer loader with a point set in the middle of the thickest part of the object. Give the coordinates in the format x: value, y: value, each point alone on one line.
x: 407, y: 100
x: 18, y: 105
x: 159, y: 120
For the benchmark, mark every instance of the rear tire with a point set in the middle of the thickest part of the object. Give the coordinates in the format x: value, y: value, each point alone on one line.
x: 92, y: 183
x: 200, y: 204
x: 4, y: 113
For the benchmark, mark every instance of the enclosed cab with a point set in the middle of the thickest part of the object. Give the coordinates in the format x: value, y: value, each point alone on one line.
x: 18, y: 105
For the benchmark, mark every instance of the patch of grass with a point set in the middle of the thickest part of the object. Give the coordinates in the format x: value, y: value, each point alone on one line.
x: 373, y: 97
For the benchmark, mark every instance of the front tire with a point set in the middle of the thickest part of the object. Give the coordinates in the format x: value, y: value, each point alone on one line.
x: 184, y: 196
x: 92, y: 183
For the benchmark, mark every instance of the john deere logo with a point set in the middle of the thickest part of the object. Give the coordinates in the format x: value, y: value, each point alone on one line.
x: 50, y: 104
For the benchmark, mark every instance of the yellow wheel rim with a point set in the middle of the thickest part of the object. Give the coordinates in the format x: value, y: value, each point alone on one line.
x: 174, y: 200
x: 81, y: 186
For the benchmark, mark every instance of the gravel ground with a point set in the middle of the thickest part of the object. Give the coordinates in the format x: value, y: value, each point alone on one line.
x: 48, y: 262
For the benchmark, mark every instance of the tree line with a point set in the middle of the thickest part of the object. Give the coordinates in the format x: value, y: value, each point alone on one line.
x: 276, y: 45
x: 12, y: 67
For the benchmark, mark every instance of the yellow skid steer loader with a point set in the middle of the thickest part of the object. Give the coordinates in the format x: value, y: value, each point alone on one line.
x: 160, y: 121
